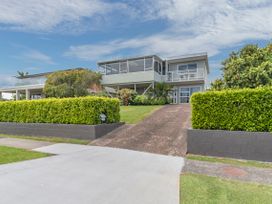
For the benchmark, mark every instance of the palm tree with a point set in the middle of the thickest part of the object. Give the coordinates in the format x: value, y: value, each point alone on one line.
x: 22, y: 74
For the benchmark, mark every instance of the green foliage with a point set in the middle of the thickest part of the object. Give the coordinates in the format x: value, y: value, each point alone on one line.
x: 84, y: 110
x: 71, y: 83
x: 250, y: 67
x: 141, y: 100
x: 161, y: 90
x: 217, y: 85
x: 22, y: 74
x: 148, y: 100
x: 244, y: 109
x: 126, y: 96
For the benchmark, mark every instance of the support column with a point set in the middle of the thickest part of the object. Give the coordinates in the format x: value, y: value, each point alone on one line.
x: 27, y: 93
x: 135, y: 87
x: 17, y: 95
x: 1, y: 96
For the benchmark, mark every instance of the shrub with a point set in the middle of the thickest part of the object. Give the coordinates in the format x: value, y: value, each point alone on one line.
x: 84, y: 110
x: 145, y: 100
x: 244, y: 109
x: 141, y: 100
x: 126, y: 96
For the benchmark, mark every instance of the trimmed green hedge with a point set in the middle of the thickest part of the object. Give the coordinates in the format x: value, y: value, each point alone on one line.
x: 83, y: 110
x: 244, y: 109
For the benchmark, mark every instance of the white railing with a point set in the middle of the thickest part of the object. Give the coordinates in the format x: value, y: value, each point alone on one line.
x: 176, y: 76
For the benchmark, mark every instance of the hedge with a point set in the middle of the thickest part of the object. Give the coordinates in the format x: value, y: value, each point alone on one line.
x: 83, y: 110
x: 244, y: 109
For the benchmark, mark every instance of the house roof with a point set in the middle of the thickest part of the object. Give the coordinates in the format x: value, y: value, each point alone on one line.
x: 190, y: 57
x: 127, y: 58
x: 42, y: 74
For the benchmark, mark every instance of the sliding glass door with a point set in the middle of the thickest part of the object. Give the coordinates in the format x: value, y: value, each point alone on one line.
x: 186, y: 92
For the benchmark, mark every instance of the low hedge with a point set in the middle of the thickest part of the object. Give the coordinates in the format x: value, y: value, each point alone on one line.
x: 145, y: 100
x: 83, y: 110
x: 244, y: 109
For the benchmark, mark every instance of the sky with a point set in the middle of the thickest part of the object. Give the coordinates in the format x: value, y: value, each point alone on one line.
x: 39, y: 36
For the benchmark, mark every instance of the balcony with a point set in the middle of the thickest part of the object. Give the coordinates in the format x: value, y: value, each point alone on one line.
x: 177, y: 76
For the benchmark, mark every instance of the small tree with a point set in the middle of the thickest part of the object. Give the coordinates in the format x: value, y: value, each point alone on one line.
x: 126, y: 96
x: 71, y: 83
x: 250, y: 67
x: 161, y: 91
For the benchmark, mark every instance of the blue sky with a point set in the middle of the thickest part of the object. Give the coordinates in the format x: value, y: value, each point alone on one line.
x: 40, y: 36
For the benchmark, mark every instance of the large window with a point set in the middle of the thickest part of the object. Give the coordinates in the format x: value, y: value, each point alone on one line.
x: 123, y: 67
x: 148, y: 63
x: 112, y: 68
x: 158, y: 67
x: 136, y: 65
x: 185, y: 68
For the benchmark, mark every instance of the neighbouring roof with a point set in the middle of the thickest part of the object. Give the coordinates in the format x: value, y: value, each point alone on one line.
x: 42, y: 74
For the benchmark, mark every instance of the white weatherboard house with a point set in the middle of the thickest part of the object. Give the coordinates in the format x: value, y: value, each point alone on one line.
x: 187, y: 74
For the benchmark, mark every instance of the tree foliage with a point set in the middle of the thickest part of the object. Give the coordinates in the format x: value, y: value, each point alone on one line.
x: 22, y: 74
x: 161, y: 91
x: 250, y: 67
x: 126, y: 96
x: 71, y: 83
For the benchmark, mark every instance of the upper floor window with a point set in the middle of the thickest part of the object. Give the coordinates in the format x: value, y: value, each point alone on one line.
x: 112, y: 68
x: 136, y: 65
x: 187, y: 67
x: 158, y: 67
x: 148, y: 63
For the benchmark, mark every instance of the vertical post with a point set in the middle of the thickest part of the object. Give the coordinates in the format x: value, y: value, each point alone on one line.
x: 17, y: 95
x: 135, y: 88
x: 153, y: 63
x: 1, y: 95
x: 27, y: 92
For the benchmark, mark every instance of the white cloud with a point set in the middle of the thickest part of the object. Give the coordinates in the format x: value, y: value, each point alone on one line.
x: 49, y: 15
x: 193, y: 26
x: 7, y: 80
x: 37, y: 56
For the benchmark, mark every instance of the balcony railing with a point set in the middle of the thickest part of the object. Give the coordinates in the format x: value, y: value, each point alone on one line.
x: 176, y: 76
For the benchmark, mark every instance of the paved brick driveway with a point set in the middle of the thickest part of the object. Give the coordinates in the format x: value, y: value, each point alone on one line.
x: 164, y: 132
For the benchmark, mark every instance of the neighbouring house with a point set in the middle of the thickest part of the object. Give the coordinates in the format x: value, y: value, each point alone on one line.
x: 187, y: 74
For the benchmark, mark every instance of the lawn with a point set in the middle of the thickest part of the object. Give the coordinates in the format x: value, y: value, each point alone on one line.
x: 11, y: 154
x: 210, y: 190
x: 134, y: 114
x: 50, y: 139
x: 235, y: 162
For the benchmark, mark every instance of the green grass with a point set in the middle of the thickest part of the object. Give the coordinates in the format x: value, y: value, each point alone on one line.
x: 11, y: 154
x: 211, y: 190
x: 50, y: 139
x: 235, y: 162
x: 134, y: 114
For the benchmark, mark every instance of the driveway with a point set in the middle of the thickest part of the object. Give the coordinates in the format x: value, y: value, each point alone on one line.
x: 81, y: 174
x: 164, y: 132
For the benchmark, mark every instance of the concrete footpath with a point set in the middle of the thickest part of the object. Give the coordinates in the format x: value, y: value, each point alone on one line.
x: 89, y: 174
x: 227, y: 171
x: 22, y: 143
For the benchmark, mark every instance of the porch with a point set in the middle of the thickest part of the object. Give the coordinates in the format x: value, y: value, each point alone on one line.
x: 27, y: 92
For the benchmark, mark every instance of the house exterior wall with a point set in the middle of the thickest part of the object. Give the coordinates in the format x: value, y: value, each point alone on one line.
x: 31, y: 81
x: 128, y: 78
